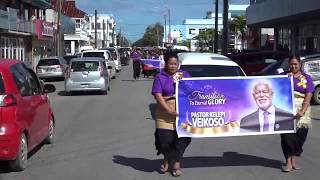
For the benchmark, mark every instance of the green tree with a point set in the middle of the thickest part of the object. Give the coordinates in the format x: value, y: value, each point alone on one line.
x: 152, y: 37
x: 205, y: 39
x: 239, y: 26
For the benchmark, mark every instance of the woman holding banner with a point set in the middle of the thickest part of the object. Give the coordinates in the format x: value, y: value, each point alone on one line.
x: 303, y: 88
x: 166, y: 139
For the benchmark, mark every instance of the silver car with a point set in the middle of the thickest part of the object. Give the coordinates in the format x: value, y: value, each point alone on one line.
x: 51, y: 67
x: 87, y: 74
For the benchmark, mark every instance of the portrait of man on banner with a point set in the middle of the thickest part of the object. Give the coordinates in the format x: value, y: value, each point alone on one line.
x: 267, y: 117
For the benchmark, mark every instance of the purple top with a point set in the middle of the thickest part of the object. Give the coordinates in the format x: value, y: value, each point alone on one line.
x: 163, y: 83
x: 303, y: 83
x: 136, y: 56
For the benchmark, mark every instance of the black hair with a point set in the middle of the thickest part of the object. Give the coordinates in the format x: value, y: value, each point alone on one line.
x: 297, y: 57
x: 168, y: 56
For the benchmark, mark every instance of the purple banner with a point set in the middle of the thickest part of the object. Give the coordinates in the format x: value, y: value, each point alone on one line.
x: 210, y: 107
x: 153, y: 63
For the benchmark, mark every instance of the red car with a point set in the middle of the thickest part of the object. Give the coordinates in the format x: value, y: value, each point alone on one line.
x: 26, y: 117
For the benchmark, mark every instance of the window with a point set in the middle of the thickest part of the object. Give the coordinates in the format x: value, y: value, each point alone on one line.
x: 21, y: 80
x: 79, y: 66
x: 2, y: 90
x: 34, y: 83
x: 212, y: 70
x: 48, y: 62
x: 93, y: 54
x: 192, y: 31
x: 202, y: 30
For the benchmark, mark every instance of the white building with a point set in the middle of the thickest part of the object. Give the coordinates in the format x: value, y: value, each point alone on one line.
x: 192, y: 27
x: 105, y: 30
x: 74, y: 41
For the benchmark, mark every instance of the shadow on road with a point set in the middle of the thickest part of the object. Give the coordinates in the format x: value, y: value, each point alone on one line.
x: 132, y: 80
x: 152, y: 108
x: 84, y: 93
x: 228, y: 159
x: 4, y: 166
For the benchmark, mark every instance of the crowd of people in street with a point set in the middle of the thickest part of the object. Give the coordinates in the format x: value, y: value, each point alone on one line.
x: 139, y: 67
x: 172, y: 148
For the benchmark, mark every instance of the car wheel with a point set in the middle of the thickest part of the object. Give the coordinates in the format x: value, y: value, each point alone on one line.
x: 316, y: 95
x: 50, y: 138
x: 20, y: 163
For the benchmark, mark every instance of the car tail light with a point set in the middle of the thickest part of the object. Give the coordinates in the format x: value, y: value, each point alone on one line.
x: 7, y: 100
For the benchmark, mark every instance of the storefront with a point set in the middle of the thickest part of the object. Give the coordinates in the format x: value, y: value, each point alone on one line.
x: 43, y: 44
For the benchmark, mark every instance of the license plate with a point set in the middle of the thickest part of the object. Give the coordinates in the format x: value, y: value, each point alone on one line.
x: 84, y: 85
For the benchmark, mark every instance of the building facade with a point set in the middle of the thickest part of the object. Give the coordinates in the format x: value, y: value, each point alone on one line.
x: 190, y: 28
x: 79, y: 36
x: 296, y: 23
x: 23, y: 27
x: 105, y: 30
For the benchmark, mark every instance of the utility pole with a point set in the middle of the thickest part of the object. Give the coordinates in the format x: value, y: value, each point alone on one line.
x: 216, y: 38
x: 95, y: 28
x: 120, y: 39
x: 104, y: 34
x: 158, y: 39
x: 165, y: 29
x: 169, y: 34
x: 225, y: 27
x: 58, y: 50
x: 107, y: 33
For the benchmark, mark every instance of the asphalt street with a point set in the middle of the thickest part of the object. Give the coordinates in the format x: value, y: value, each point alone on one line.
x: 110, y: 137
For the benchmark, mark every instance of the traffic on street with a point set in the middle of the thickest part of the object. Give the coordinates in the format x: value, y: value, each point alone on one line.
x: 124, y: 90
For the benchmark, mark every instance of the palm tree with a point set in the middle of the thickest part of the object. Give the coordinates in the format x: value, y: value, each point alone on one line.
x: 238, y: 25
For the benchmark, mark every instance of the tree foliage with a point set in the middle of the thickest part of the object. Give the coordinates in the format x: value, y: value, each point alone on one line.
x: 205, y: 39
x: 152, y: 37
x: 239, y: 26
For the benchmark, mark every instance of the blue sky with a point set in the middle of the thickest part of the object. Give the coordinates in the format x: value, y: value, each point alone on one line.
x: 135, y: 15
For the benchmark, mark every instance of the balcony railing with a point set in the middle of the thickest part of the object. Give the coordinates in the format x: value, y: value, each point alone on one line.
x: 3, y: 19
x: 17, y: 24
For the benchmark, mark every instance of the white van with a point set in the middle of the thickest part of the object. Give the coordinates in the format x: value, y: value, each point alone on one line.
x: 105, y: 55
x: 209, y: 65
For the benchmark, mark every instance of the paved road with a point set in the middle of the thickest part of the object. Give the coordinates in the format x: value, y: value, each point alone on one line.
x: 111, y: 137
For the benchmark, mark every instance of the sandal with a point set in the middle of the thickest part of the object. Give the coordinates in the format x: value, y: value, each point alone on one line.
x: 296, y: 167
x: 286, y: 169
x: 176, y: 173
x: 164, y: 167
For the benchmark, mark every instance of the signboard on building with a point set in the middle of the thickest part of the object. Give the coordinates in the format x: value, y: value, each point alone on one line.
x: 43, y: 29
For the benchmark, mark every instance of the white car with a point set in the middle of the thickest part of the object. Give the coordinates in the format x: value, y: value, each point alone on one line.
x: 209, y: 65
x: 115, y: 57
x: 105, y: 54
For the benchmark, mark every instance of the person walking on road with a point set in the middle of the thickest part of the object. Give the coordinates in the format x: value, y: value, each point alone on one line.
x: 166, y: 139
x: 136, y: 59
x: 303, y: 87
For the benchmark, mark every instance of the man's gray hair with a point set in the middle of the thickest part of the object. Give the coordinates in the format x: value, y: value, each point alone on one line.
x: 265, y: 83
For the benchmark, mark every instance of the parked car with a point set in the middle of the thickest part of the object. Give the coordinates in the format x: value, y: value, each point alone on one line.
x: 107, y: 57
x: 51, y: 67
x: 209, y: 65
x: 87, y: 74
x: 115, y: 57
x: 310, y: 66
x: 26, y: 115
x: 253, y: 62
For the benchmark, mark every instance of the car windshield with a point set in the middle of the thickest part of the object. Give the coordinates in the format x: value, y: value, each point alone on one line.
x: 48, y: 62
x: 93, y: 54
x: 79, y: 66
x: 212, y: 70
x: 1, y: 85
